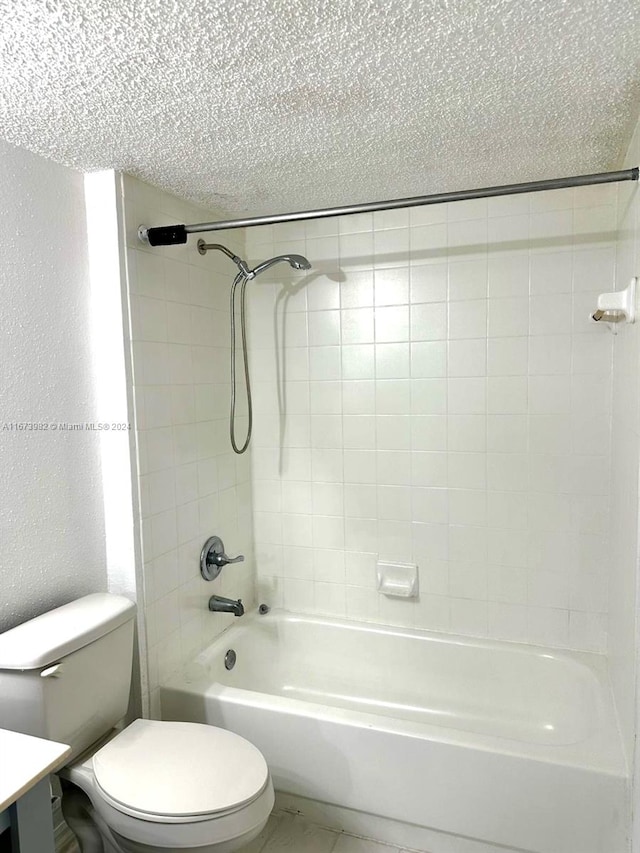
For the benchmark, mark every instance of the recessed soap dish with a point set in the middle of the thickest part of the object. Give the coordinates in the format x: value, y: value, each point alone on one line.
x: 399, y: 580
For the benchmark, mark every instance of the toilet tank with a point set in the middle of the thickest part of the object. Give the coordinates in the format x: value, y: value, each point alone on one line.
x: 66, y: 674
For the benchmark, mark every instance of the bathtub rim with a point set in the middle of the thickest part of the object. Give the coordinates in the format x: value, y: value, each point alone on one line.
x: 602, y: 751
x: 595, y: 662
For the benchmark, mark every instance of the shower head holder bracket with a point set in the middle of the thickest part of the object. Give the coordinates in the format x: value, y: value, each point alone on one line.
x: 618, y: 306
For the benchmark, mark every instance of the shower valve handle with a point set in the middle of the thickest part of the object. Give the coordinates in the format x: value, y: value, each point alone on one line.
x: 223, y: 560
x: 213, y: 558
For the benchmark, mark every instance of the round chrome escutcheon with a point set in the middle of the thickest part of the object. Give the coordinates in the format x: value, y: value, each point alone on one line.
x: 230, y: 659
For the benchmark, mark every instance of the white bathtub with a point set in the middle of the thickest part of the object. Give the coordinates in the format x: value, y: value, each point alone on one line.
x: 502, y: 743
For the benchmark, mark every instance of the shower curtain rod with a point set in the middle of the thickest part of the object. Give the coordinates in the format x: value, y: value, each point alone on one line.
x: 173, y: 234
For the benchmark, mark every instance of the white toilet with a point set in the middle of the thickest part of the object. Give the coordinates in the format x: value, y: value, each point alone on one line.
x: 149, y: 786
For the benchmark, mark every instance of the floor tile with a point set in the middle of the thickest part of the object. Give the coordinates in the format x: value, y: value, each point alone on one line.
x: 294, y: 835
x: 350, y: 844
x: 258, y: 843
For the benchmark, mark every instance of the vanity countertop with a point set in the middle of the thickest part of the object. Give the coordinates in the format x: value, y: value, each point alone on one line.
x: 24, y: 761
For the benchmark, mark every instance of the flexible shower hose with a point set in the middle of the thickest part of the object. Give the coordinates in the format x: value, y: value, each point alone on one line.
x: 243, y: 331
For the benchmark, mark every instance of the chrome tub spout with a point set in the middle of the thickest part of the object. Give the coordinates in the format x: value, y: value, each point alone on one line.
x: 217, y: 604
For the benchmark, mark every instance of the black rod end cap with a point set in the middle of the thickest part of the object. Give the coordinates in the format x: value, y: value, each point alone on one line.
x: 167, y: 235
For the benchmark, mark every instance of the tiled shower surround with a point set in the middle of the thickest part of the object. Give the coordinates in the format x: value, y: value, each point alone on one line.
x: 622, y: 558
x: 433, y: 391
x: 191, y: 484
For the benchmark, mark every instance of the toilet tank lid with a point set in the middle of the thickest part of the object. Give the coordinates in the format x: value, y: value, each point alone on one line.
x: 49, y: 637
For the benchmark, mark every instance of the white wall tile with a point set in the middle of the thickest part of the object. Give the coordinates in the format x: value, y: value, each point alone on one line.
x: 325, y: 398
x: 457, y: 414
x: 467, y: 357
x: 507, y: 395
x: 469, y: 617
x: 392, y: 286
x: 356, y: 251
x: 429, y: 469
x: 551, y: 273
x: 393, y: 397
x: 428, y: 396
x: 394, y: 503
x: 325, y: 362
x: 429, y: 322
x: 468, y: 280
x: 357, y: 326
x: 392, y: 361
x: 390, y: 246
x: 296, y: 497
x: 393, y: 432
x: 507, y: 356
x: 359, y: 466
x: 467, y: 470
x: 392, y: 324
x: 428, y: 283
x: 393, y: 467
x: 357, y: 290
x: 359, y: 432
x: 324, y: 328
x: 471, y: 233
x: 428, y: 359
x: 360, y: 501
x: 507, y: 621
x: 467, y: 396
x: 358, y: 361
x: 508, y: 275
x: 467, y: 432
x: 466, y: 506
x: 508, y: 317
x: 467, y: 579
x: 328, y: 499
x: 548, y: 626
x: 428, y: 432
x: 426, y: 239
x: 507, y: 584
x: 358, y: 397
x: 544, y: 321
x: 508, y: 472
x: 468, y: 319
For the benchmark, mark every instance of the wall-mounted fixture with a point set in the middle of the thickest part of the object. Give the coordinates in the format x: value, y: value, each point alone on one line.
x: 617, y: 307
x: 213, y: 558
x: 218, y: 604
x: 296, y: 262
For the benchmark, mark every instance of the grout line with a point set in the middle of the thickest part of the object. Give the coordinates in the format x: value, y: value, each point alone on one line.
x: 335, y: 841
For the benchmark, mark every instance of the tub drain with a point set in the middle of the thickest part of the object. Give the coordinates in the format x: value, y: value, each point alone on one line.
x: 230, y: 659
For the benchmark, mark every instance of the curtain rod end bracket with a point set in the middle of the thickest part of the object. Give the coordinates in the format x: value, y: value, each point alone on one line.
x: 167, y: 235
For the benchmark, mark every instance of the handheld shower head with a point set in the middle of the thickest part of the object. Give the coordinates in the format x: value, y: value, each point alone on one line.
x: 298, y: 262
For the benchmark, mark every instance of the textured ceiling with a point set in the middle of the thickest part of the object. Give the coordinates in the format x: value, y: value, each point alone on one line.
x: 256, y: 106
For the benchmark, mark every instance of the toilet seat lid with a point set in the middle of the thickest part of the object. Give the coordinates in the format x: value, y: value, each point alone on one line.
x: 179, y: 770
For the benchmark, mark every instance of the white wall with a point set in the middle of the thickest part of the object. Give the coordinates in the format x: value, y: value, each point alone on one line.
x: 192, y: 485
x: 445, y: 401
x: 51, y: 522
